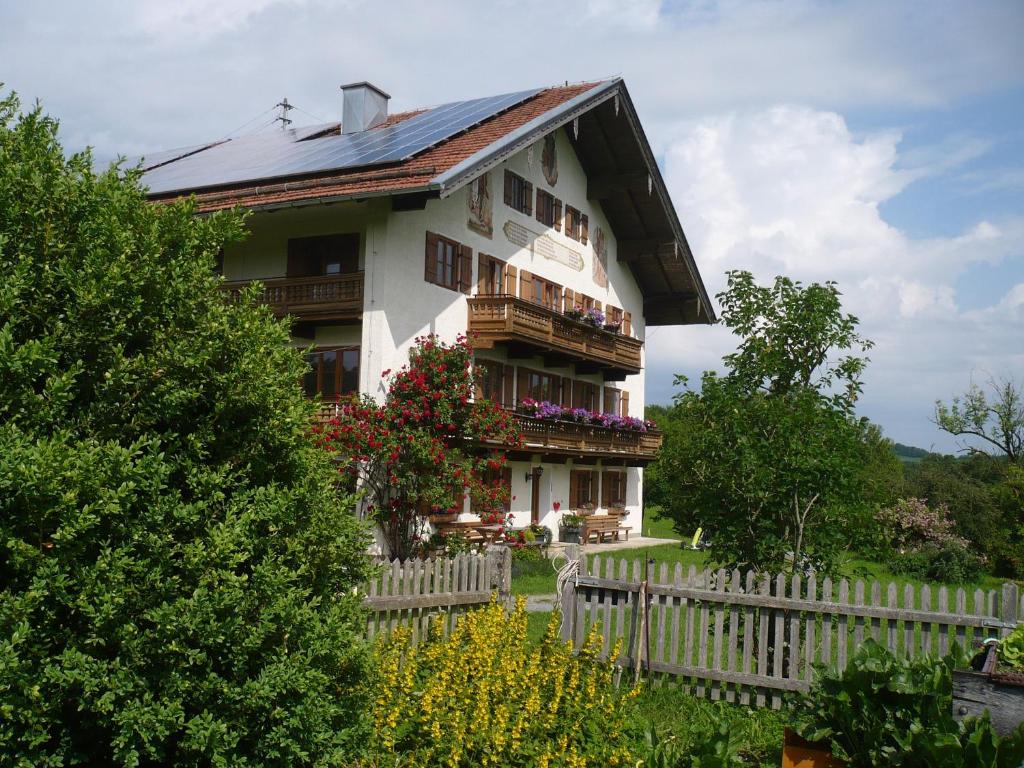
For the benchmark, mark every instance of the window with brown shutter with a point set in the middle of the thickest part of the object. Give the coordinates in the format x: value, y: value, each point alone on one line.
x: 334, y: 372
x: 538, y: 385
x: 583, y: 488
x: 584, y: 395
x: 447, y: 263
x: 624, y: 400
x: 612, y: 401
x: 508, y: 386
x: 490, y: 276
x: 518, y: 193
x: 548, y: 208
x: 627, y: 324
x: 573, y: 222
x: 558, y: 215
x: 490, y: 380
x: 540, y: 291
x: 613, y: 490
x: 584, y: 228
x: 510, y: 280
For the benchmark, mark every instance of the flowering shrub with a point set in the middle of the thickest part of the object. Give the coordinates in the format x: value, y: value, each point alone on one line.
x: 413, y: 454
x: 487, y: 696
x: 554, y: 412
x: 911, y: 524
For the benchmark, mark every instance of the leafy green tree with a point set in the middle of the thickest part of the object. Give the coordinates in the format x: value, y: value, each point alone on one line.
x: 766, y: 457
x: 996, y: 418
x: 176, y: 564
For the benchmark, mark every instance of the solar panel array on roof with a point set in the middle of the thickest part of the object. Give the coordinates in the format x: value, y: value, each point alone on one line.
x: 286, y: 153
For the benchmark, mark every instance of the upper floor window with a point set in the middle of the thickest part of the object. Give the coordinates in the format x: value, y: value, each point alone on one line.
x: 585, y: 395
x: 539, y: 386
x: 333, y: 372
x: 448, y: 263
x: 540, y: 291
x: 613, y: 401
x: 518, y: 193
x: 576, y: 224
x: 323, y: 255
x: 494, y: 382
x: 549, y: 209
x: 490, y: 280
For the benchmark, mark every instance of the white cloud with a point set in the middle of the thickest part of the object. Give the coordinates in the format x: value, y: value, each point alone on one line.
x: 790, y: 190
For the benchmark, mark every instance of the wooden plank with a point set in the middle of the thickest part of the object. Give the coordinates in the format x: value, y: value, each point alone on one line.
x: 762, y: 636
x: 734, y: 629
x: 606, y: 618
x: 371, y: 620
x: 778, y: 649
x: 843, y: 631
x: 794, y: 631
x: 943, y: 628
x: 639, y: 607
x: 690, y: 607
x: 748, y: 637
x: 702, y: 636
x: 416, y: 612
x: 876, y: 600
x: 716, y: 660
x: 858, y: 620
x: 623, y: 598
x: 826, y: 625
x: 396, y: 590
x: 909, y: 645
x: 809, y: 629
x: 926, y: 626
x: 979, y: 607
x: 659, y: 652
x: 397, y: 603
x: 892, y: 635
x: 592, y: 597
x: 581, y: 616
x: 863, y: 611
x: 775, y: 684
x: 974, y: 693
x: 677, y: 580
x: 961, y: 608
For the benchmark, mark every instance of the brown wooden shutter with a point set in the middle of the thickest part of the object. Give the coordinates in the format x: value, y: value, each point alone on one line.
x: 574, y: 490
x: 430, y: 261
x: 567, y: 393
x: 625, y: 403
x: 508, y: 384
x: 522, y: 380
x: 606, y: 496
x: 606, y: 398
x: 595, y: 485
x: 529, y: 198
x: 558, y: 215
x: 510, y: 280
x: 525, y: 285
x: 508, y: 188
x: 556, y: 389
x: 597, y: 305
x: 539, y: 217
x: 465, y: 265
x: 568, y: 300
x: 627, y: 323
x: 481, y: 281
x: 584, y: 231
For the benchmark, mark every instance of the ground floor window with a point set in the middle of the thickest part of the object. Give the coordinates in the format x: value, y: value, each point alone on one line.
x: 613, y: 489
x: 583, y: 488
x: 333, y: 372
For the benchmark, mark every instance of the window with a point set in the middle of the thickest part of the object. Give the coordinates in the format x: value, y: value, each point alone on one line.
x: 585, y: 395
x: 549, y: 209
x: 500, y: 478
x: 494, y: 382
x: 540, y: 291
x: 583, y: 488
x: 573, y: 222
x: 612, y: 401
x: 538, y: 386
x: 490, y: 279
x: 518, y: 193
x: 613, y: 490
x: 335, y: 372
x: 612, y: 315
x: 323, y: 255
x: 447, y: 263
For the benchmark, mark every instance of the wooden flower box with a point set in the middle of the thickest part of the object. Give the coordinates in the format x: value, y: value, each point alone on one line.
x: 1001, y: 693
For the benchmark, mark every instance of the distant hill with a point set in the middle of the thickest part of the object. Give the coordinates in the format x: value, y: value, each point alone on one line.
x: 909, y: 453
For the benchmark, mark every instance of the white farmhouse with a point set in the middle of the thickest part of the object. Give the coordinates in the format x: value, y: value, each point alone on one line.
x: 494, y: 216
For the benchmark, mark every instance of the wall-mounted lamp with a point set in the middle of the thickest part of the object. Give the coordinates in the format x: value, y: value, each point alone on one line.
x: 535, y: 472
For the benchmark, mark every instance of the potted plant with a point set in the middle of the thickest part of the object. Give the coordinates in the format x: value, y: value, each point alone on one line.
x: 594, y: 317
x: 575, y: 313
x: 613, y: 327
x: 541, y: 534
x: 569, y: 528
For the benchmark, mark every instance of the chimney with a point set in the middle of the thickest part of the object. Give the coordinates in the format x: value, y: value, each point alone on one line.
x: 364, y: 106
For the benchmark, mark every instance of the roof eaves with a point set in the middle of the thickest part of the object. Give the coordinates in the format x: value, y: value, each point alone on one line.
x: 516, y: 140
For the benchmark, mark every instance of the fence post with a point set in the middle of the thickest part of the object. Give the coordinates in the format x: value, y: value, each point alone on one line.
x: 567, y: 605
x: 1008, y: 615
x: 500, y: 557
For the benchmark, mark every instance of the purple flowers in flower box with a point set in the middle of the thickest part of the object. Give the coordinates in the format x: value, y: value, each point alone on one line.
x: 553, y: 412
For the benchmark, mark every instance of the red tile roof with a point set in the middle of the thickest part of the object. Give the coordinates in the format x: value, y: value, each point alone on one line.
x: 411, y: 174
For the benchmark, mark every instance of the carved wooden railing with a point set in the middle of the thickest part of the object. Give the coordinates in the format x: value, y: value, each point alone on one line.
x: 508, y: 318
x: 568, y: 437
x: 335, y: 296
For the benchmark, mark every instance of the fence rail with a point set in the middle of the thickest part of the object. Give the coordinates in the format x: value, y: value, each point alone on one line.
x: 754, y: 637
x: 417, y: 593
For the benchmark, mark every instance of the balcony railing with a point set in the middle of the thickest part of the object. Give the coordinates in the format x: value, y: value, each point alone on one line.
x: 566, y: 438
x: 322, y: 297
x: 510, y: 319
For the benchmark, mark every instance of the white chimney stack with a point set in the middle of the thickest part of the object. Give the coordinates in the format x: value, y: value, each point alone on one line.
x: 364, y: 106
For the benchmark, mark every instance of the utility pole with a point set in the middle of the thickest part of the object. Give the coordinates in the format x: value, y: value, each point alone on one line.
x: 283, y: 117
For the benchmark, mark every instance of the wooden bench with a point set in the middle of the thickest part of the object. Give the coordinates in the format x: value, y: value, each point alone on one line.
x: 474, y: 532
x: 603, y: 528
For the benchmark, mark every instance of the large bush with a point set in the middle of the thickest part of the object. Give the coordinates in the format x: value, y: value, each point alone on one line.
x: 175, y: 562
x: 487, y: 696
x: 898, y: 712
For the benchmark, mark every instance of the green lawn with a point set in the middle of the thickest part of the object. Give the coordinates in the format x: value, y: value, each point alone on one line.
x: 658, y: 527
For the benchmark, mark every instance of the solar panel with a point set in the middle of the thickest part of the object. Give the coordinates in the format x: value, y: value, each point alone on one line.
x: 292, y: 152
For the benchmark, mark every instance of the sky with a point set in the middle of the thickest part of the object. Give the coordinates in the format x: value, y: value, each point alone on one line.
x: 877, y: 144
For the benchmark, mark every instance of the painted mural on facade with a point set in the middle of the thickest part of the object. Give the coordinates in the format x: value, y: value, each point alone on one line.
x: 549, y: 160
x: 600, y: 257
x: 481, y: 206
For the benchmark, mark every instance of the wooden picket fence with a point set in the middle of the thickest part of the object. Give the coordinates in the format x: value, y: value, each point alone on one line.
x: 416, y: 593
x: 752, y: 638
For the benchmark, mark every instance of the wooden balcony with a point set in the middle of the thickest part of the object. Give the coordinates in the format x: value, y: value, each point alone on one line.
x: 559, y: 440
x: 538, y: 329
x: 324, y: 298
